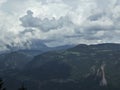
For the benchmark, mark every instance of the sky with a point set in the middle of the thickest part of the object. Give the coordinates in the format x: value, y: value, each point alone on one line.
x: 58, y: 22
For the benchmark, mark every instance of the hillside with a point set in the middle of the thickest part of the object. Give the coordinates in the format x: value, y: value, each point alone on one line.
x: 84, y: 67
x: 81, y: 63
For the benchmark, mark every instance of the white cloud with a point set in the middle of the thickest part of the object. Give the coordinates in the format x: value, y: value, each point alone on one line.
x: 59, y: 22
x: 2, y: 1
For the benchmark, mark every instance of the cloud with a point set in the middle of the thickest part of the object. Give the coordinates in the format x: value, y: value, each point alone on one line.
x: 59, y: 22
x: 2, y: 1
x: 29, y: 21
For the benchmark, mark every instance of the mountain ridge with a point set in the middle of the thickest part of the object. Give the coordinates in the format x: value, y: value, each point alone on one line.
x: 81, y: 67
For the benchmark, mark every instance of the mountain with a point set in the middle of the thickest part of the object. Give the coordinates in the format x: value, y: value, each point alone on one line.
x: 35, y: 47
x: 83, y: 67
x: 93, y: 66
x: 34, y: 52
x: 14, y: 60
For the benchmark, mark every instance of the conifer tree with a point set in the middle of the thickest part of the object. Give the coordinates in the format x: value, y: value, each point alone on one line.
x: 1, y: 85
x: 22, y: 87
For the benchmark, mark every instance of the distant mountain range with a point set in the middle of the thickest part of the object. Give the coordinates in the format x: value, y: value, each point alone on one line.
x: 83, y: 67
x: 35, y: 48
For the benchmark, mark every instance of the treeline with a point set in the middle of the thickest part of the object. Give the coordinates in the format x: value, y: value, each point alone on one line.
x: 2, y: 87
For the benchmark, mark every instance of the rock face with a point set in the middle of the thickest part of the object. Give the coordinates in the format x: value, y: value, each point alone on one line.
x: 98, y: 75
x: 103, y: 81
